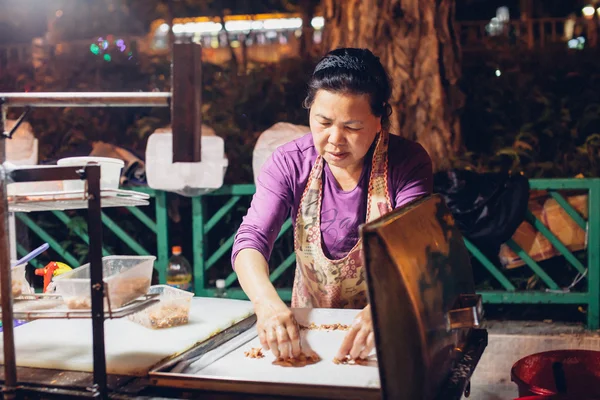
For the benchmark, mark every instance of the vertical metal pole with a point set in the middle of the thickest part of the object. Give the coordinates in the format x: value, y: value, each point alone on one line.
x: 594, y: 256
x: 10, y: 365
x: 92, y: 174
x: 162, y: 234
x: 198, y: 238
x: 12, y: 235
x: 186, y: 101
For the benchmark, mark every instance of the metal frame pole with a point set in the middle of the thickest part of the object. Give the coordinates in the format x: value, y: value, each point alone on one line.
x: 10, y: 365
x: 94, y: 220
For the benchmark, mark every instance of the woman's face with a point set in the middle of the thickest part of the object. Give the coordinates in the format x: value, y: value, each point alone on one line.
x: 343, y: 127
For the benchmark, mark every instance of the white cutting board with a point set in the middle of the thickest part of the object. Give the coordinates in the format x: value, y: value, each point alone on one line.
x: 236, y: 366
x: 131, y: 349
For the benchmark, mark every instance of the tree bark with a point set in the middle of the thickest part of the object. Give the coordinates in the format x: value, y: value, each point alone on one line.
x: 417, y: 43
x: 307, y: 10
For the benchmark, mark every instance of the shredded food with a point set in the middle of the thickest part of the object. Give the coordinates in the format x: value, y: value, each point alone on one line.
x: 255, y: 352
x: 350, y: 361
x: 325, y: 327
x: 301, y: 361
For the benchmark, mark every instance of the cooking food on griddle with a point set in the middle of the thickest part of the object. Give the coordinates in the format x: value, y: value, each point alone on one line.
x: 301, y: 361
x: 255, y: 352
x: 325, y: 327
x: 350, y: 361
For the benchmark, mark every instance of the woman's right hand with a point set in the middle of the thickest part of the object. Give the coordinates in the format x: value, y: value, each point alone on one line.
x: 277, y: 328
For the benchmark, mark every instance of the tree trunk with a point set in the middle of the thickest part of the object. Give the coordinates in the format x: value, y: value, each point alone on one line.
x: 417, y: 43
x: 307, y: 10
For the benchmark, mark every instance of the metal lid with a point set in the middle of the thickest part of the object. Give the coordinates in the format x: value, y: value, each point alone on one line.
x: 421, y: 292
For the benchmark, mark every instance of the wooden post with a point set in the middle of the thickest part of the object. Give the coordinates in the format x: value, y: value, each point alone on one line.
x: 186, y: 106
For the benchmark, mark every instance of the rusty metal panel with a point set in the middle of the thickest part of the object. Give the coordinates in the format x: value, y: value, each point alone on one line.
x: 417, y: 270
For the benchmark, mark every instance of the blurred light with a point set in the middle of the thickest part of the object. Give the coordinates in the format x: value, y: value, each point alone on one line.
x: 164, y: 28
x: 271, y: 35
x: 257, y: 25
x: 105, y: 44
x: 598, y: 11
x: 578, y: 43
x: 177, y: 28
x: 318, y: 22
x: 236, y: 26
x: 498, y: 73
x: 107, y: 57
x: 283, y: 23
x: 208, y: 27
x: 59, y: 13
x: 214, y: 43
x: 503, y: 14
x: 94, y: 48
x: 588, y: 11
x: 130, y: 53
x: 235, y: 44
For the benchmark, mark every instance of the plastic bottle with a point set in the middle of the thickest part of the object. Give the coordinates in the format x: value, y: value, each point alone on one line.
x: 220, y: 290
x: 179, y: 271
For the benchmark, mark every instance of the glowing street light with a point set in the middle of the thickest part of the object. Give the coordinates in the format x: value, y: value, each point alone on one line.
x: 588, y: 12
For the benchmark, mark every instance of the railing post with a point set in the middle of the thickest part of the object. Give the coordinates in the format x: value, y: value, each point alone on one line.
x: 198, y: 243
x: 594, y: 256
x: 162, y: 234
x: 530, y: 36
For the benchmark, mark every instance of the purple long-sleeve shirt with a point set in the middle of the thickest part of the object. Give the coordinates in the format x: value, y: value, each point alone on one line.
x: 284, y: 176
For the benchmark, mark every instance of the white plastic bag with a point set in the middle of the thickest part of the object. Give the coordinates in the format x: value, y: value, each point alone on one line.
x: 274, y: 137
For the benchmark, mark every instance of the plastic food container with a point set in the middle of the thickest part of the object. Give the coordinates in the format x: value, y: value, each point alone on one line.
x: 172, y: 310
x: 579, y: 372
x: 126, y: 279
x: 19, y: 282
x: 110, y: 172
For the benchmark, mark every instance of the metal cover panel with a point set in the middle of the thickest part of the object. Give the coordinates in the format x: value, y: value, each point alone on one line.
x: 417, y: 266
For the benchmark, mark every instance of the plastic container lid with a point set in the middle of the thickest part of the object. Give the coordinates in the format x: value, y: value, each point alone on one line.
x: 85, y: 160
x: 176, y: 250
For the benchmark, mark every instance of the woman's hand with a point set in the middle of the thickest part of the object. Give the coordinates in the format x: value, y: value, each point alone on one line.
x: 277, y: 329
x: 360, y: 340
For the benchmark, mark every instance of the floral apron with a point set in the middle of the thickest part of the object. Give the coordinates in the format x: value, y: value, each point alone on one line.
x: 319, y: 281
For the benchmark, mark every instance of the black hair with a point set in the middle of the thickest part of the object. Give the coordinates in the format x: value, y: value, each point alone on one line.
x: 353, y: 71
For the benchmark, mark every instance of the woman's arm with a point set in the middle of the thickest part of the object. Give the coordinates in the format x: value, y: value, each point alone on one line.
x: 271, y: 204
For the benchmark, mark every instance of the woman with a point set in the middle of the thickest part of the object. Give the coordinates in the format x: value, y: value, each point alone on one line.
x: 348, y: 170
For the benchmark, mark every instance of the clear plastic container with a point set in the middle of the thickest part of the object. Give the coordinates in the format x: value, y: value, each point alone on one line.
x: 126, y: 278
x: 110, y: 172
x: 19, y: 282
x: 173, y: 309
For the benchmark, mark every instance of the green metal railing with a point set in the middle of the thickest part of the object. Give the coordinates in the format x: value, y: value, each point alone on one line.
x: 207, y: 256
x: 204, y: 259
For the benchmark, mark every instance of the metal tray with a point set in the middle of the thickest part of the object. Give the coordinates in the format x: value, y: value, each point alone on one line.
x: 50, y: 306
x: 63, y: 200
x: 173, y: 373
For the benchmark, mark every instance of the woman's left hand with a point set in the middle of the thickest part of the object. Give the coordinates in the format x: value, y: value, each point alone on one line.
x: 360, y: 340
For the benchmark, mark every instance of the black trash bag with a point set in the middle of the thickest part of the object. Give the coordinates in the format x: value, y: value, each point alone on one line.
x: 488, y: 208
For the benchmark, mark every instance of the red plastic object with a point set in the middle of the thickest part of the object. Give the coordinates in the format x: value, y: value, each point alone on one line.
x: 580, y: 369
x: 47, y: 272
x: 541, y: 397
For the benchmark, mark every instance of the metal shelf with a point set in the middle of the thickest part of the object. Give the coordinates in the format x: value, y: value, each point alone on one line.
x: 50, y: 306
x: 51, y: 201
